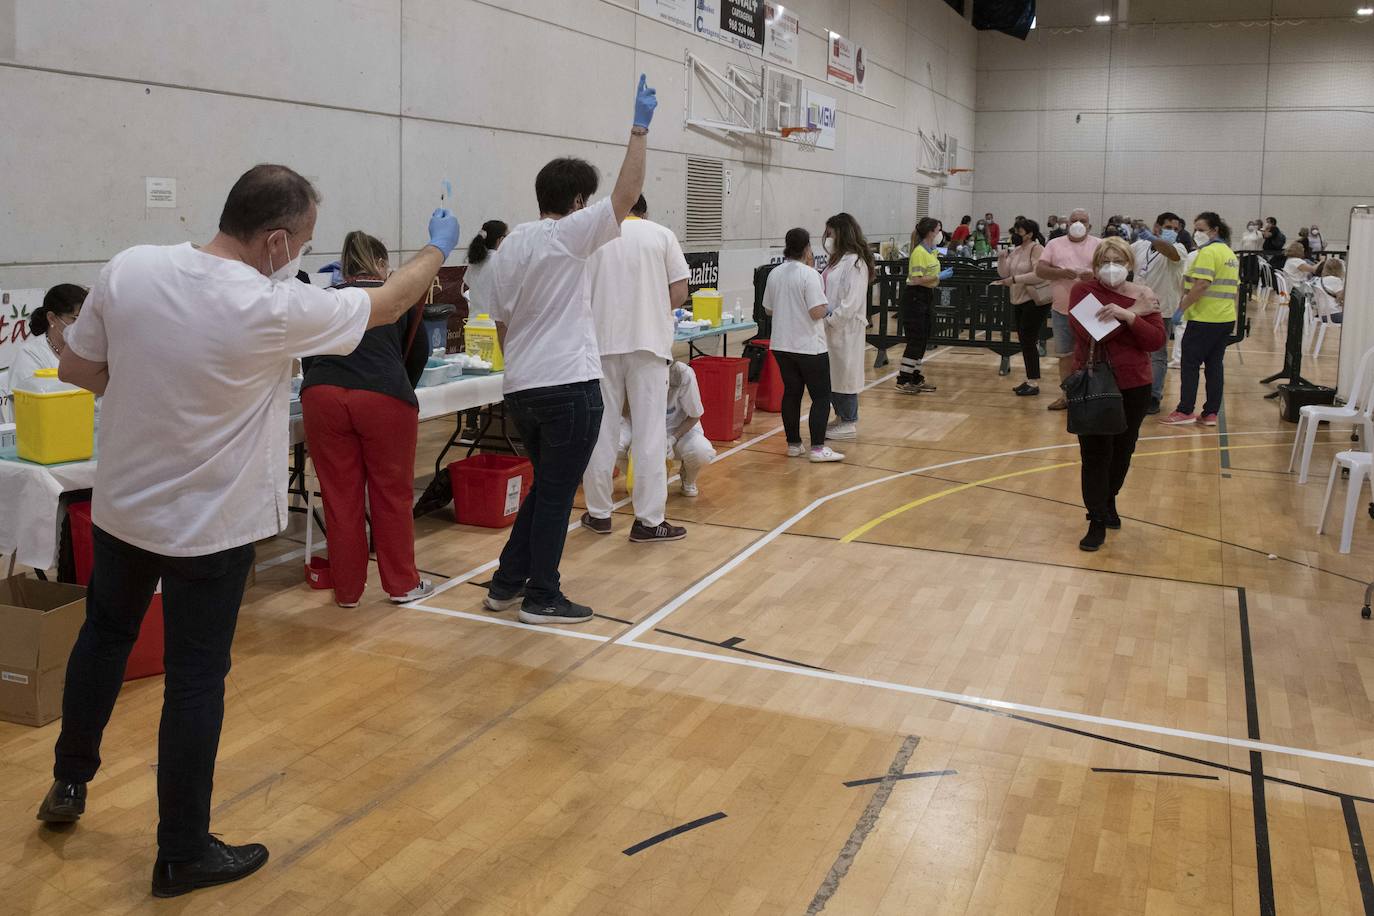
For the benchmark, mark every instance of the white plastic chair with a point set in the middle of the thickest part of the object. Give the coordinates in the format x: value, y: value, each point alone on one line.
x: 1359, y: 464
x: 1324, y: 305
x: 1281, y: 291
x: 1359, y: 410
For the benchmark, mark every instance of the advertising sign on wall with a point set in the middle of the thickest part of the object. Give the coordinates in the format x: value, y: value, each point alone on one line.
x: 743, y: 21
x: 16, y: 305
x: 821, y: 112
x: 847, y: 64
x: 757, y: 27
x: 705, y: 268
x: 782, y: 35
x: 681, y: 13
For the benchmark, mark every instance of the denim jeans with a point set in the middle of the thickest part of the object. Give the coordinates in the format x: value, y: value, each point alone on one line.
x: 1204, y: 344
x: 200, y: 608
x: 559, y: 427
x: 1159, y: 360
x: 846, y: 406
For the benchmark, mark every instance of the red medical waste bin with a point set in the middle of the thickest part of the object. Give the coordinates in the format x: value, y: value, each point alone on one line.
x: 722, y: 380
x: 488, y: 489
x: 770, y: 381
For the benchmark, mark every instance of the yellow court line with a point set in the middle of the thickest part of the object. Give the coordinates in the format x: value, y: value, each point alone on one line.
x: 916, y: 503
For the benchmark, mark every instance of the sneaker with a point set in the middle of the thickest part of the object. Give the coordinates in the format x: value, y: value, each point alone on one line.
x: 842, y: 431
x: 795, y: 450
x: 825, y: 453
x: 923, y: 385
x: 423, y: 590
x: 561, y: 610
x: 909, y: 387
x: 1025, y: 390
x: 1153, y: 408
x: 1061, y: 404
x: 1174, y: 364
x: 1178, y: 418
x: 596, y: 525
x: 495, y: 601
x: 346, y: 605
x: 649, y: 534
x: 1095, y: 538
x: 1207, y: 419
x: 690, y: 490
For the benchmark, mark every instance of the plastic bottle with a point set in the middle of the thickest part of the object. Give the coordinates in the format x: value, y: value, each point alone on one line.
x: 480, y: 340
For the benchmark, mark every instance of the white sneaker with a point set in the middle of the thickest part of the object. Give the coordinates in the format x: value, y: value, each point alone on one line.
x: 796, y: 451
x: 423, y: 590
x: 689, y: 489
x: 1174, y: 364
x: 842, y: 431
x: 825, y: 453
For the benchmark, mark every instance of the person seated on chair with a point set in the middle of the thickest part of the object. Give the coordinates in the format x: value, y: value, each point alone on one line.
x: 1332, y: 282
x: 687, y: 441
x: 1296, y: 267
x: 47, y: 332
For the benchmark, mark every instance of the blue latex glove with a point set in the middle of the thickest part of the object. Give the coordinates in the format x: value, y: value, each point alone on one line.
x: 946, y: 273
x: 646, y: 100
x: 1144, y: 235
x: 443, y: 231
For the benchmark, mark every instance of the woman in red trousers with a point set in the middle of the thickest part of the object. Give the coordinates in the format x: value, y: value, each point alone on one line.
x: 361, y: 421
x: 1126, y: 349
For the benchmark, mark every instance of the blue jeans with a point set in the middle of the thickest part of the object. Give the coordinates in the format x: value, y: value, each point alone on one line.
x: 559, y: 426
x: 1159, y: 360
x: 1204, y: 344
x: 200, y: 609
x: 846, y: 406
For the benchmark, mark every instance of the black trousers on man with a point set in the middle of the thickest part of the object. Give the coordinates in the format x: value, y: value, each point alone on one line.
x: 200, y: 608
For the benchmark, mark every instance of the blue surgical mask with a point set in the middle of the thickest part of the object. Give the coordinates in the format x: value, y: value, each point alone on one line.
x: 1169, y: 235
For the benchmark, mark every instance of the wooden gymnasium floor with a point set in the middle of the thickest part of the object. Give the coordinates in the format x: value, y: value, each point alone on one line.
x: 892, y: 685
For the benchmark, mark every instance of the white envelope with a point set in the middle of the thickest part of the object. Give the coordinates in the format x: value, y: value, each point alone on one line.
x: 1086, y: 313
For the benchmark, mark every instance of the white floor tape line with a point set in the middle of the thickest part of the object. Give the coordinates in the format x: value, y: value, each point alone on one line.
x: 1006, y: 706
x: 513, y: 624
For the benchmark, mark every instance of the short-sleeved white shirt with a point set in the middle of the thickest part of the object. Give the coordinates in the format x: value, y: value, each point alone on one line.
x: 793, y: 290
x: 537, y: 284
x: 1161, y: 275
x: 684, y: 401
x: 195, y: 422
x: 35, y: 354
x: 630, y: 278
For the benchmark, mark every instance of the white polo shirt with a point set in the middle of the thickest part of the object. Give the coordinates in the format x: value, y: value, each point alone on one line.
x: 537, y: 284
x: 194, y: 426
x: 1160, y: 274
x: 630, y: 278
x: 794, y: 289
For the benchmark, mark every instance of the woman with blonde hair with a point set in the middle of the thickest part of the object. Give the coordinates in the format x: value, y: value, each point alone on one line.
x: 361, y: 423
x: 1125, y: 350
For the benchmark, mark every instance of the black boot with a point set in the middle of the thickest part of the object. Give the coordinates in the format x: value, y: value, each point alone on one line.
x: 64, y: 803
x: 1096, y: 536
x: 219, y: 864
x: 1112, y: 520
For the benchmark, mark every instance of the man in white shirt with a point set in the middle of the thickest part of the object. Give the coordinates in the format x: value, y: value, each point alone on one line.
x: 537, y: 290
x: 1159, y: 265
x: 637, y: 281
x: 192, y: 471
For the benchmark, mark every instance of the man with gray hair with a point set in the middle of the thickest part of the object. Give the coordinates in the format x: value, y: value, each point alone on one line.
x: 1067, y: 260
x: 192, y: 471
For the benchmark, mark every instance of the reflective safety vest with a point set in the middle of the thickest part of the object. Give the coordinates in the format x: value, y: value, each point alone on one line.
x: 1219, y: 265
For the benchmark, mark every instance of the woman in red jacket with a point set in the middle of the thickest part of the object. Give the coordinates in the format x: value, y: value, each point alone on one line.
x: 1127, y: 349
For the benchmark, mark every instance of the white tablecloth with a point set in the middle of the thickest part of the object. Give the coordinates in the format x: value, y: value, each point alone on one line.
x: 29, y: 511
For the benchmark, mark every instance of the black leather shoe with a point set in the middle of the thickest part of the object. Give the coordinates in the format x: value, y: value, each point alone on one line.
x: 64, y: 803
x: 1025, y: 390
x: 1112, y: 520
x: 1095, y: 538
x: 219, y: 864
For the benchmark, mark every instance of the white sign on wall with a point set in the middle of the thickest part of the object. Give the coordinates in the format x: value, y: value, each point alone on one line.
x: 757, y: 27
x: 681, y: 13
x: 16, y: 305
x: 782, y: 35
x: 847, y: 64
x: 821, y: 112
x: 161, y: 193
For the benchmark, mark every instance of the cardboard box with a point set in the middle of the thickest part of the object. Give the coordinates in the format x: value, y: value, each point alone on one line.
x: 39, y: 621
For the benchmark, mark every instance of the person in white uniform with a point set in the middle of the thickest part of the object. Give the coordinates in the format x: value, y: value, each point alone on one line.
x: 47, y: 332
x: 1159, y: 258
x: 192, y: 471
x: 846, y: 280
x: 637, y: 280
x: 685, y: 441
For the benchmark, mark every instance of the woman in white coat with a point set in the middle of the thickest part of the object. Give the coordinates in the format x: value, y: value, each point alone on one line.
x: 846, y: 279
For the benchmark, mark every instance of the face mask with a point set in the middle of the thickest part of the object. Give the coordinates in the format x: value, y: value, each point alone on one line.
x: 1112, y: 274
x: 828, y: 244
x: 1202, y: 238
x: 1316, y: 231
x: 981, y: 227
x: 1169, y: 235
x: 1077, y: 230
x: 289, y: 269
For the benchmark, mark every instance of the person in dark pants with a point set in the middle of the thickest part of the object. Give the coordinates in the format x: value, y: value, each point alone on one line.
x: 184, y: 490
x: 796, y: 299
x: 1275, y: 243
x: 1030, y: 296
x: 1209, y: 307
x: 918, y: 305
x: 537, y: 288
x: 1126, y: 354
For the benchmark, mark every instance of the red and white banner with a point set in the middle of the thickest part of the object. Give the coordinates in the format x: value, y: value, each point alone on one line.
x: 846, y: 64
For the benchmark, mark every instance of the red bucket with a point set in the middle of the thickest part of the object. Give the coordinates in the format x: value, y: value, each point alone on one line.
x: 317, y: 573
x: 488, y: 489
x: 722, y: 381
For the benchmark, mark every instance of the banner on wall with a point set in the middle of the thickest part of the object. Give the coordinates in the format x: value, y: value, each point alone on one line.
x: 681, y: 13
x: 16, y: 305
x: 847, y: 64
x: 705, y: 268
x: 743, y: 21
x: 781, y: 35
x: 821, y: 112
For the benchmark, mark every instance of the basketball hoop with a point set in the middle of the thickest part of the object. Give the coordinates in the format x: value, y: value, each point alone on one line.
x: 957, y: 171
x: 806, y: 137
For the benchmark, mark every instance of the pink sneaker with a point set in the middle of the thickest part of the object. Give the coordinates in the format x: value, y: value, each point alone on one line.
x: 1179, y: 419
x: 1208, y: 419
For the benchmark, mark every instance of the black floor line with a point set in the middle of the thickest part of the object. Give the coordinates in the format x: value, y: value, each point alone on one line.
x: 874, y: 780
x: 1359, y: 854
x: 1223, y: 440
x: 676, y: 831
x: 733, y: 645
x: 1155, y: 773
x: 1263, y: 862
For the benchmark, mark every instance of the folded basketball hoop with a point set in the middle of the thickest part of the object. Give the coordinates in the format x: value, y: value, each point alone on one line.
x: 806, y: 137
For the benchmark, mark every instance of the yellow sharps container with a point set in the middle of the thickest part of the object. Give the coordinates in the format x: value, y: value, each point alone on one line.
x: 54, y: 422
x: 708, y: 304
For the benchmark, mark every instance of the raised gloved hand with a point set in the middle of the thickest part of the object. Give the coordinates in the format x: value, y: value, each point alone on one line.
x: 646, y: 100
x: 946, y: 273
x: 443, y: 231
x: 1144, y: 235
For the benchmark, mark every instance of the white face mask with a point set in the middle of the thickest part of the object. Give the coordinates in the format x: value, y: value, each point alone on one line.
x: 1077, y: 229
x: 288, y: 270
x: 1112, y: 274
x: 1202, y: 238
x: 828, y: 243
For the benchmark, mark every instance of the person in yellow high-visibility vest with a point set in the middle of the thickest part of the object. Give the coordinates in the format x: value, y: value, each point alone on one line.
x: 1212, y: 287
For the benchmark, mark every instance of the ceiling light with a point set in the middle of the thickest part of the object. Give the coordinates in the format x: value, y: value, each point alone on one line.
x: 1365, y: 11
x: 1103, y: 17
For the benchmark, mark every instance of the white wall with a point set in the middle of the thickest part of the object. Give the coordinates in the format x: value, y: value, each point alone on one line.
x: 1106, y: 117
x: 378, y: 100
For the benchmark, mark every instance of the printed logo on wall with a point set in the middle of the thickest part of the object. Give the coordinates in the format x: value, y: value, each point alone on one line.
x: 782, y: 35
x: 847, y: 65
x: 16, y: 305
x: 681, y: 13
x: 752, y: 26
x: 705, y: 268
x: 821, y: 112
x: 743, y: 21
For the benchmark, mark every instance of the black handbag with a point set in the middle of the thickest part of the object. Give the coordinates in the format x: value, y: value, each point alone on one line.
x: 1094, y: 400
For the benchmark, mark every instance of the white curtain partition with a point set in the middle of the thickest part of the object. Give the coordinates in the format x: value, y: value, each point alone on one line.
x: 1357, y: 329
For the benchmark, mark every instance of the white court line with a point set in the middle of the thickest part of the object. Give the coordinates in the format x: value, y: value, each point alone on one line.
x: 1009, y: 706
x: 514, y: 624
x: 731, y: 564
